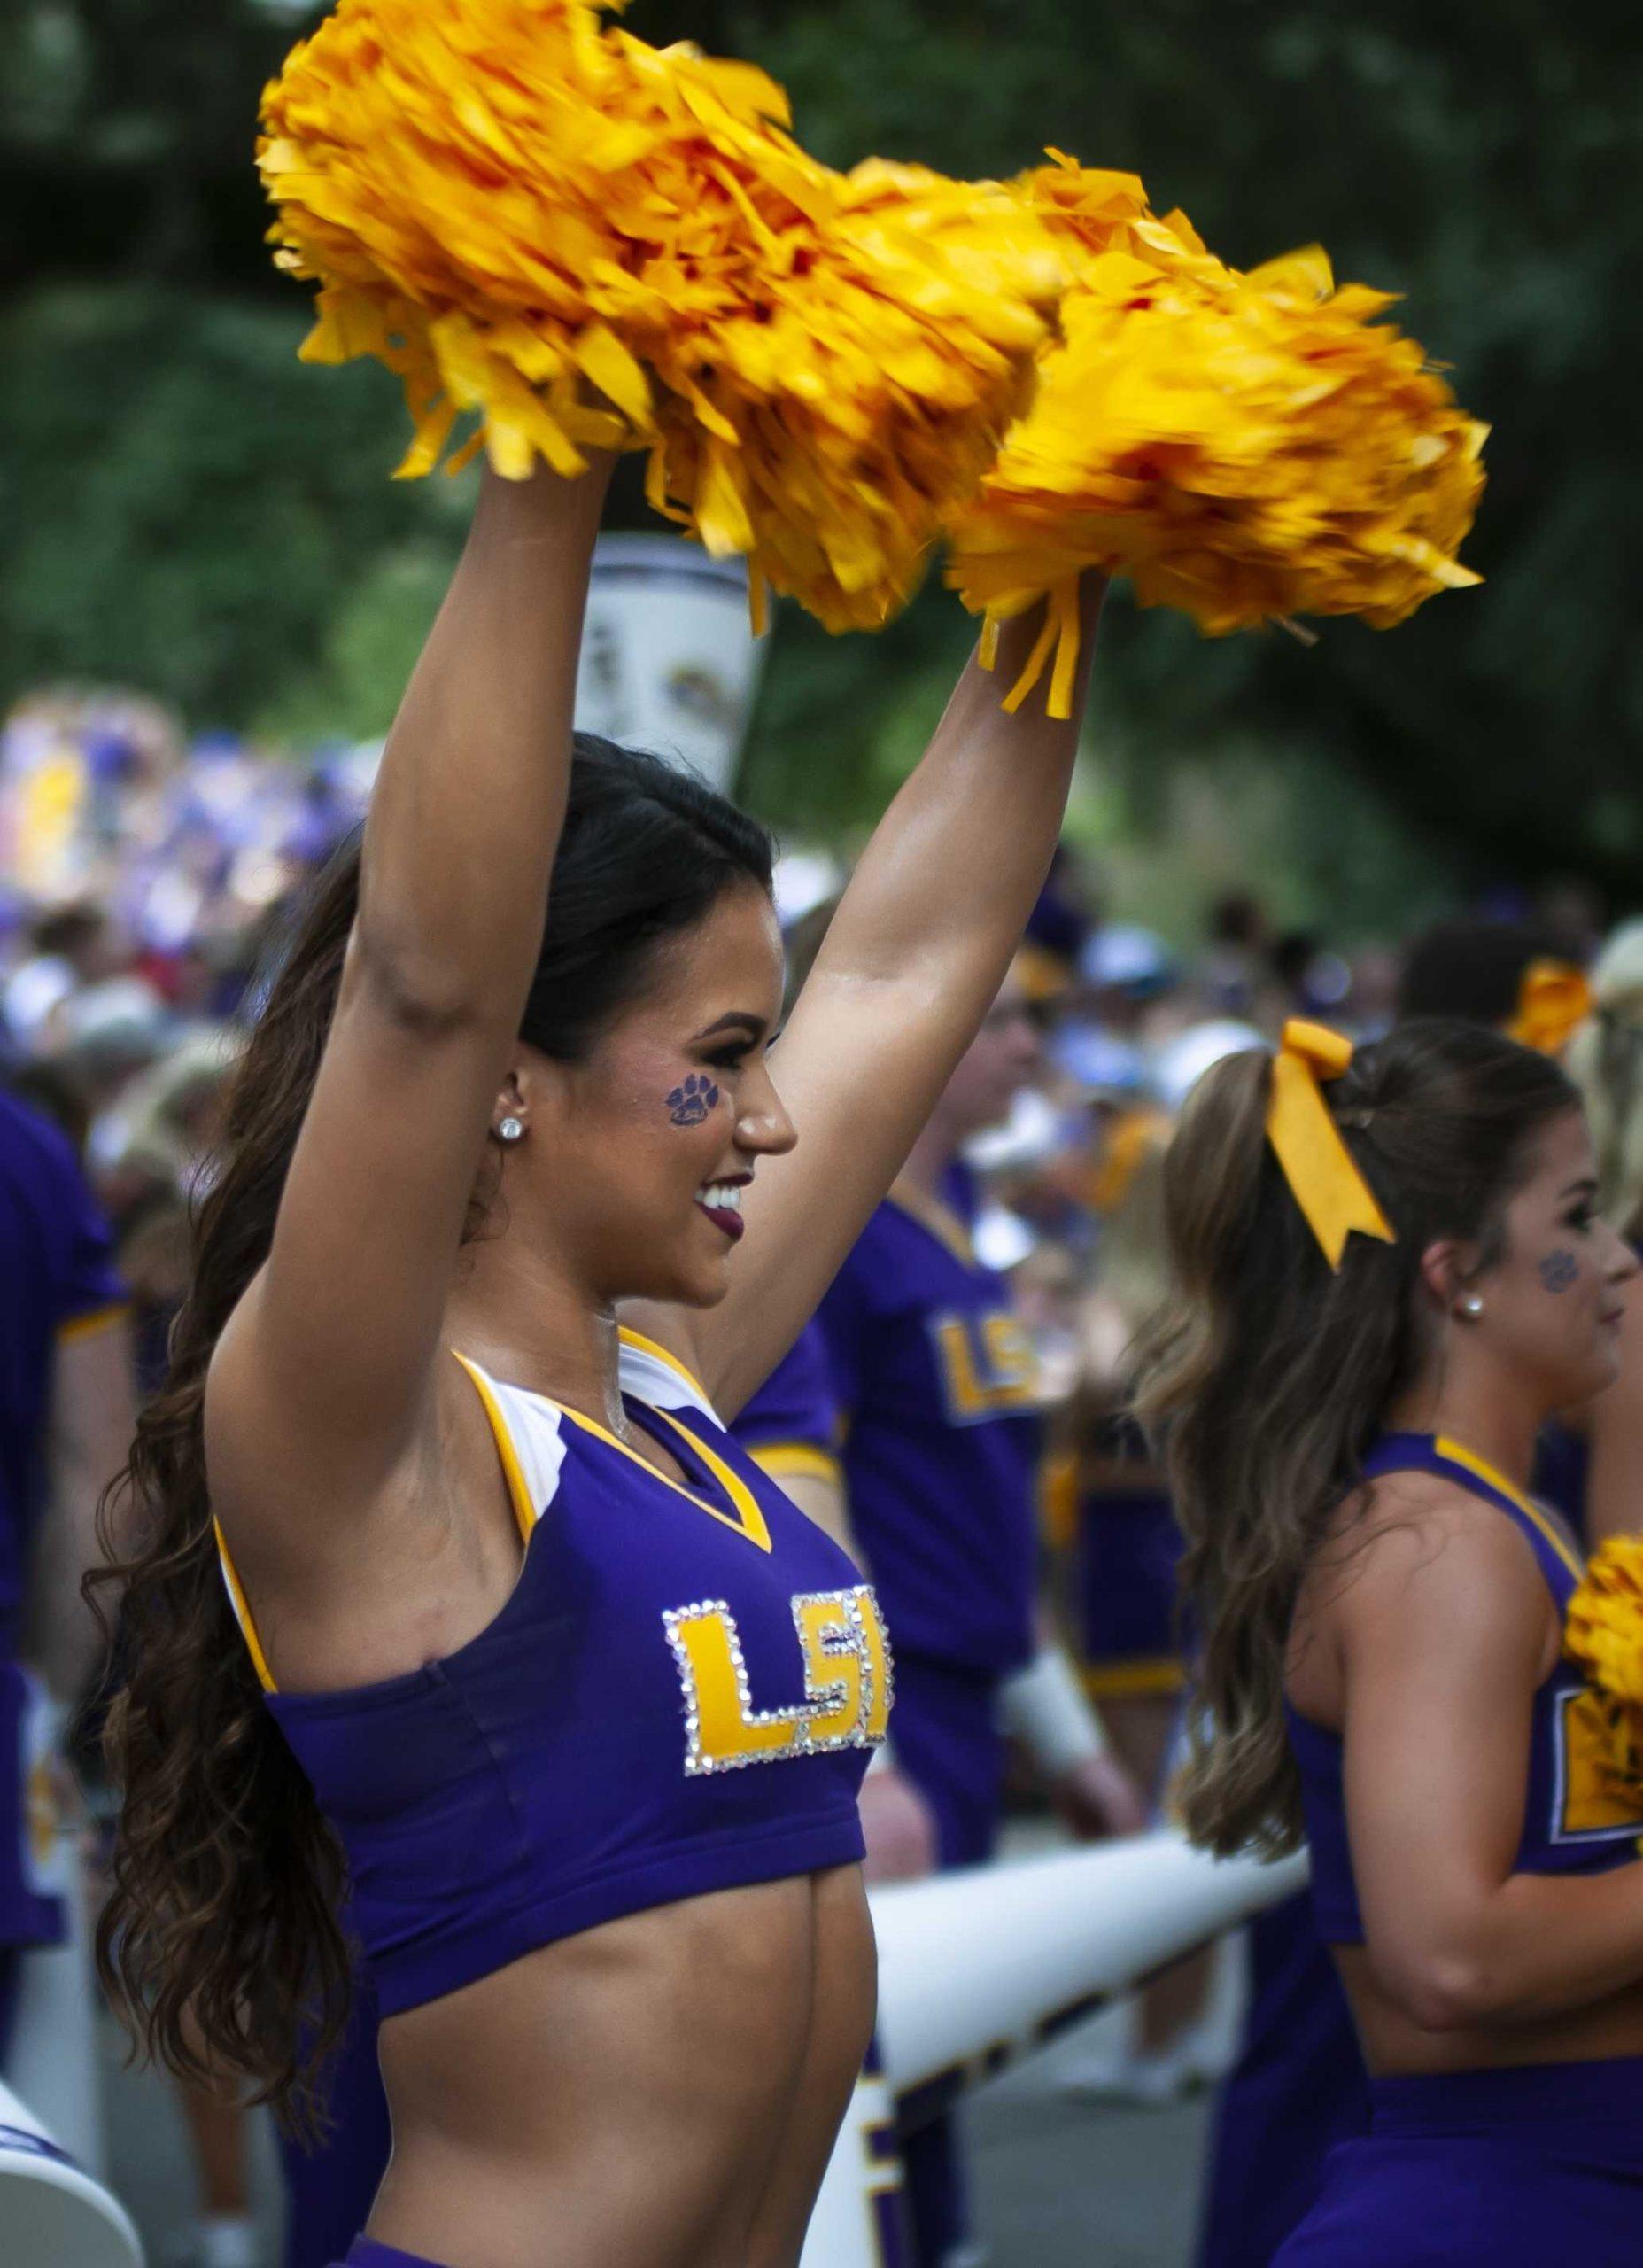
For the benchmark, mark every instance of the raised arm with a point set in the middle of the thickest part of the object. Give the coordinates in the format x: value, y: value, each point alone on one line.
x: 911, y: 964
x: 93, y: 1410
x: 322, y: 1374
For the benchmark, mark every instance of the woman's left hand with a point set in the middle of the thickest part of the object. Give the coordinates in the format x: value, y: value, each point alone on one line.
x: 1097, y: 1798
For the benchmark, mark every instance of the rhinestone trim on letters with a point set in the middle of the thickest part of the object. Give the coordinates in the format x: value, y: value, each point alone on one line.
x: 822, y: 1699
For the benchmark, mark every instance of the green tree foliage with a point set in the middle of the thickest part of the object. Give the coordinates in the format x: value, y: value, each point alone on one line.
x: 185, y: 506
x: 191, y: 510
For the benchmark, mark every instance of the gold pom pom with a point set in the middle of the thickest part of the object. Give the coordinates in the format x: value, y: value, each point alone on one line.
x: 1603, y: 1632
x: 1246, y: 447
x: 589, y: 241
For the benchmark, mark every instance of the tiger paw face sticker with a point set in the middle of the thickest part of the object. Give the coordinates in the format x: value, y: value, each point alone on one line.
x: 691, y: 1101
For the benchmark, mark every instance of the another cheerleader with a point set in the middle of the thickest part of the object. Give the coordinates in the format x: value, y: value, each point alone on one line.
x: 66, y: 1404
x: 1592, y: 1460
x: 449, y: 1594
x: 1390, y: 1270
x: 938, y: 1383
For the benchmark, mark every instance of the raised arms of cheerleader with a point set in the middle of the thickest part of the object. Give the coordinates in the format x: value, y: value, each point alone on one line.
x: 911, y: 963
x: 1445, y: 1630
x: 324, y: 1372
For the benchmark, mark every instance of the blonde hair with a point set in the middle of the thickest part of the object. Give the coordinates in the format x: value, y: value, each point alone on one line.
x: 1605, y: 1060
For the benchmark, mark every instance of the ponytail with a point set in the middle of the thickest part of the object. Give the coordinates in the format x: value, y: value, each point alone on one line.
x: 1268, y: 1373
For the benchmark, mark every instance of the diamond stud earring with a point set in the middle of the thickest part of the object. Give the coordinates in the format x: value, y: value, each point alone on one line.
x: 1472, y: 1305
x: 511, y: 1129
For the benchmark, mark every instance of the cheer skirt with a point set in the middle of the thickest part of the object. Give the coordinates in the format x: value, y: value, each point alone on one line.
x: 1512, y: 2167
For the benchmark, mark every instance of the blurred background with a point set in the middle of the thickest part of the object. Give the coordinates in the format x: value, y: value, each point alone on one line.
x: 187, y: 513
x: 211, y: 594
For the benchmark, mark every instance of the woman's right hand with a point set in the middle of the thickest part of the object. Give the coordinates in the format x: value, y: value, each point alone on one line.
x: 321, y: 1381
x: 899, y: 1827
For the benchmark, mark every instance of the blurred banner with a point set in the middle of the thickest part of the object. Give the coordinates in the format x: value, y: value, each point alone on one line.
x: 669, y: 662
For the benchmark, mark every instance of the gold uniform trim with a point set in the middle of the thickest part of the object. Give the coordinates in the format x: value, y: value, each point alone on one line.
x: 935, y: 1217
x: 518, y: 1489
x: 96, y: 1319
x: 797, y: 1461
x: 519, y: 1497
x: 1457, y: 1454
x: 1130, y: 1680
x: 241, y: 1610
x: 746, y: 1520
x: 643, y: 1346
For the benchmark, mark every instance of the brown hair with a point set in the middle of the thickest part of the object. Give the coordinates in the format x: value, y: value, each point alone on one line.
x: 1267, y: 1374
x: 222, y: 1940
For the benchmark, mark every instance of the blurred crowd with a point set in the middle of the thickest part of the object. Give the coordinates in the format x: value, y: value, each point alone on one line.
x: 143, y: 877
x: 143, y: 882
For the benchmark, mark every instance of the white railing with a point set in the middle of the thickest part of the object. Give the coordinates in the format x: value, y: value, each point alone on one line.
x: 975, y: 1970
x: 978, y: 1968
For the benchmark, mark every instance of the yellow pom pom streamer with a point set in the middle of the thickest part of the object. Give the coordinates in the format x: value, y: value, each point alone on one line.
x: 1603, y: 1632
x: 1246, y: 447
x: 1554, y: 998
x: 584, y: 241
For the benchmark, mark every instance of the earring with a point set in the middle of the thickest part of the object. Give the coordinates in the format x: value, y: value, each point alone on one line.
x: 1472, y: 1305
x: 511, y: 1129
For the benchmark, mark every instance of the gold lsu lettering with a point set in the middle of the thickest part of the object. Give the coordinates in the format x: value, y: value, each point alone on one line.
x: 849, y: 1682
x: 987, y: 1364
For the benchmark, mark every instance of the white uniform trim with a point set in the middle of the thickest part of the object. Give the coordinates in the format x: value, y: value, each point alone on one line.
x: 536, y: 1432
x: 649, y: 1373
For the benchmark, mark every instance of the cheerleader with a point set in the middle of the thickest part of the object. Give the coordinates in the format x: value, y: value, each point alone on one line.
x: 790, y: 1429
x: 1299, y: 2085
x: 66, y: 1399
x: 1591, y: 1459
x: 942, y: 1421
x: 1388, y: 1270
x: 451, y: 1593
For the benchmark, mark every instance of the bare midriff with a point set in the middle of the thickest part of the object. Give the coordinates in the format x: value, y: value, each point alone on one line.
x: 662, y: 2092
x: 1393, y: 2045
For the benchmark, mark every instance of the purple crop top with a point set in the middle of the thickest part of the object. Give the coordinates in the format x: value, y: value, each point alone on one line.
x: 1571, y: 1823
x: 679, y: 1696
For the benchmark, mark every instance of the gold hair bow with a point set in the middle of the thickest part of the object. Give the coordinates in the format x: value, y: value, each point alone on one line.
x: 1320, y: 1170
x: 1553, y: 998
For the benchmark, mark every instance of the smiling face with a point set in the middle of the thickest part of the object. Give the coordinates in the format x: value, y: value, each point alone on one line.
x: 1552, y: 1297
x: 633, y: 1162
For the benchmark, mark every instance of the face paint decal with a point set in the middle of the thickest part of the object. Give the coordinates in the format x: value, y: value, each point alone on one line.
x: 689, y: 1103
x: 1559, y: 1270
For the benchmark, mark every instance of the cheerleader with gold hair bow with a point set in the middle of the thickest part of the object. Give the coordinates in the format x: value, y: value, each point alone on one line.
x: 453, y: 1595
x: 1390, y: 1270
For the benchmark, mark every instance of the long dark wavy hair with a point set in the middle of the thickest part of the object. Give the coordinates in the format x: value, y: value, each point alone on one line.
x: 222, y: 1942
x: 1267, y: 1375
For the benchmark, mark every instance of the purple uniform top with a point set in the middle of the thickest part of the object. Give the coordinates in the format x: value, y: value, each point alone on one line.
x: 793, y: 1425
x: 1572, y: 1824
x: 679, y: 1696
x: 56, y: 1281
x: 938, y: 1385
x: 58, y: 1273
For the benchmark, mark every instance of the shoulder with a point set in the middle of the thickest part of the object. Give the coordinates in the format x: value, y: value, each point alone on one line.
x: 1413, y: 1554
